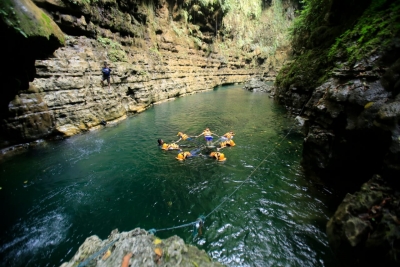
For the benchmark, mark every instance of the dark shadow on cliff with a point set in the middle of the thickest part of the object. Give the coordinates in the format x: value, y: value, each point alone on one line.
x: 17, y: 70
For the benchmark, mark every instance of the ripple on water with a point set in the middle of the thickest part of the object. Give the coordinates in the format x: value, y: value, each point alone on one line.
x: 35, y: 239
x: 259, y: 214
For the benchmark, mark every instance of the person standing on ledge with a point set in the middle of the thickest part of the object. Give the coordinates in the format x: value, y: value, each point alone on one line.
x: 106, y: 75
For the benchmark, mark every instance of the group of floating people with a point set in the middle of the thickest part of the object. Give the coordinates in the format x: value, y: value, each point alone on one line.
x: 223, y: 141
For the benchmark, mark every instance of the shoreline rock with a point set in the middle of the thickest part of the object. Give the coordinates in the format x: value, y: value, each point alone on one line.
x: 146, y: 249
x: 365, y: 228
x: 258, y: 85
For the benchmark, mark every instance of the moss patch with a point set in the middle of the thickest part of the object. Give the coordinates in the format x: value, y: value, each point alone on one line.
x: 114, y: 49
x: 379, y: 24
x: 324, y: 34
x: 25, y: 17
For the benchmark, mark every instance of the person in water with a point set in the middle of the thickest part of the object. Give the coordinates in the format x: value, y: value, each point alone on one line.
x: 165, y: 146
x: 225, y: 144
x: 183, y: 155
x: 218, y: 155
x: 228, y: 136
x: 208, y: 135
x: 183, y: 137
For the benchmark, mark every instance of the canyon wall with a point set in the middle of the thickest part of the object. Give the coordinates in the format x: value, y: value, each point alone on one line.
x: 154, y: 52
x: 344, y: 81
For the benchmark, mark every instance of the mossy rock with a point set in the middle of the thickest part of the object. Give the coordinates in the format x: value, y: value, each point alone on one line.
x: 24, y: 16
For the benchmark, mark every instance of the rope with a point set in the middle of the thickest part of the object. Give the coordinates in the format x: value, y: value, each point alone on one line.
x: 248, y: 177
x: 202, y: 218
x: 199, y: 220
x: 258, y: 166
x: 95, y: 255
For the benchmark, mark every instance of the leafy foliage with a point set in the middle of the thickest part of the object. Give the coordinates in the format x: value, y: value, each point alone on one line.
x: 309, y: 18
x: 373, y: 31
x: 324, y: 33
x: 115, y: 49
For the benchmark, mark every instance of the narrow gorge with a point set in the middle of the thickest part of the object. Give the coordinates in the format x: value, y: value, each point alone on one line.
x: 335, y: 67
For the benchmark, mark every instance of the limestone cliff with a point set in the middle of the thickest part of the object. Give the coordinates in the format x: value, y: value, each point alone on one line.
x: 155, y: 52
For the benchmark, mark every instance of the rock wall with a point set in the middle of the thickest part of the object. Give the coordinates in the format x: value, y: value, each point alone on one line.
x: 348, y: 96
x: 154, y: 54
x: 344, y: 84
x: 353, y: 125
x: 365, y: 228
x: 138, y: 248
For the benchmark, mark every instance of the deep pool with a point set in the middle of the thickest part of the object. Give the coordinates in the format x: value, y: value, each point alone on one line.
x: 56, y: 195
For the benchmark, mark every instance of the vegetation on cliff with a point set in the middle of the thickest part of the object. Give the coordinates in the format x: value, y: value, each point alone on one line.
x: 229, y: 27
x: 30, y: 21
x: 331, y: 31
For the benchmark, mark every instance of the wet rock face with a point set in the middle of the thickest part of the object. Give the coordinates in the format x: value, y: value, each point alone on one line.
x: 364, y: 230
x: 37, y: 36
x: 138, y: 248
x: 353, y: 122
x: 60, y: 94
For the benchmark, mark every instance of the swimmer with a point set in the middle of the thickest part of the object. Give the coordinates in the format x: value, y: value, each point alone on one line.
x: 225, y: 144
x: 183, y: 137
x: 165, y: 146
x: 228, y: 136
x: 160, y: 142
x: 183, y: 155
x: 208, y: 135
x: 218, y: 155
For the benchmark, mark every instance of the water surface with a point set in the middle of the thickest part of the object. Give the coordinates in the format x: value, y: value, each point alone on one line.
x: 55, y: 196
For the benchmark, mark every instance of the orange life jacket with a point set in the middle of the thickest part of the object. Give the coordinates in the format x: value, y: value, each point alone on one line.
x: 228, y: 135
x: 231, y: 143
x: 183, y: 155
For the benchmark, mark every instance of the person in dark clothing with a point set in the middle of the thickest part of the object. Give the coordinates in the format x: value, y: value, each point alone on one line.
x: 106, y: 75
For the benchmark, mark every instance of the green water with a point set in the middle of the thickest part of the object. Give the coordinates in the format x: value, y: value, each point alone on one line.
x: 56, y: 195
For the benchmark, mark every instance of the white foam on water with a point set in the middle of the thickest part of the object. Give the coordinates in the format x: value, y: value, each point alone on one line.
x: 38, y: 234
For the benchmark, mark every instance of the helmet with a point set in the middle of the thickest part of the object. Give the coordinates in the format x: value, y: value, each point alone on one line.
x: 180, y: 133
x: 180, y: 156
x: 164, y: 146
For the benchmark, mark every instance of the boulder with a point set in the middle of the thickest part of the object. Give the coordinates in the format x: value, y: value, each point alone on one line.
x: 256, y: 85
x: 365, y: 228
x: 139, y: 248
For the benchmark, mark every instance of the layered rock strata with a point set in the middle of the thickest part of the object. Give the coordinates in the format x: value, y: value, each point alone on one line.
x: 154, y: 54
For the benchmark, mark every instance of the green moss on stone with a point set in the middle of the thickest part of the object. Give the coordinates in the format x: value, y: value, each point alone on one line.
x: 371, y: 28
x: 24, y: 16
x: 115, y: 49
x: 379, y: 24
